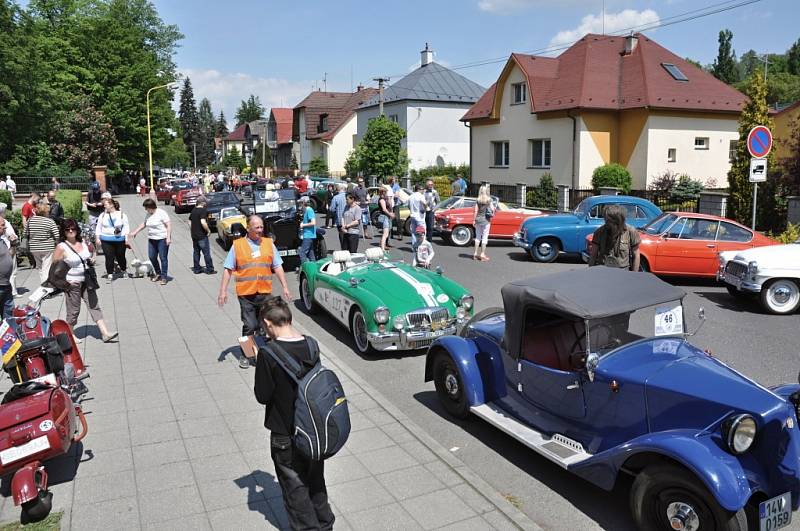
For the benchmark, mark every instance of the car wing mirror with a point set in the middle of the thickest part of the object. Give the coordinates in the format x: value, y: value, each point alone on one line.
x: 592, y: 361
x: 238, y: 229
x: 701, y: 315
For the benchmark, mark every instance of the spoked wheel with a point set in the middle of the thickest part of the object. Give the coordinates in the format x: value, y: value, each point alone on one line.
x: 358, y: 327
x: 461, y: 236
x: 665, y: 497
x: 449, y: 386
x: 38, y: 508
x: 306, y: 295
x: 780, y: 296
x: 545, y: 250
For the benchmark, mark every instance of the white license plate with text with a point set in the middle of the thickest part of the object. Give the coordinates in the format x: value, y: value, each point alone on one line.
x: 776, y: 512
x: 288, y: 252
x: 29, y: 448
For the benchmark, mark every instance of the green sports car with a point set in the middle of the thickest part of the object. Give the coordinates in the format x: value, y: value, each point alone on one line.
x: 385, y: 305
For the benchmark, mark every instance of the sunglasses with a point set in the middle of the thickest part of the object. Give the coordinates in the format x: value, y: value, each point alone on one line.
x: 70, y: 230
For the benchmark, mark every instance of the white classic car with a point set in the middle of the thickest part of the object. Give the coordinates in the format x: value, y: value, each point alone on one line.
x: 773, y: 272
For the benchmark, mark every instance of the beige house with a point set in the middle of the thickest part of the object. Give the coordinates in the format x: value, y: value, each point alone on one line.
x: 785, y: 120
x: 605, y: 99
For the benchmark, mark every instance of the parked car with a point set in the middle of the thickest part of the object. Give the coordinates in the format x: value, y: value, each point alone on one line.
x: 456, y: 226
x: 546, y: 237
x: 772, y: 273
x: 277, y: 202
x: 567, y: 369
x: 185, y: 199
x: 177, y: 186
x: 216, y: 202
x: 317, y: 190
x: 687, y: 244
x: 228, y: 218
x: 405, y: 213
x: 385, y: 305
x: 164, y: 188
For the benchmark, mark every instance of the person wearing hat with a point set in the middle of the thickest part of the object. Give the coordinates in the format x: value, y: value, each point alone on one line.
x: 94, y: 203
x: 308, y: 230
x: 423, y: 253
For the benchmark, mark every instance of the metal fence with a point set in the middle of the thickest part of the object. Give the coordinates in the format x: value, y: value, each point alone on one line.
x: 42, y: 184
x: 668, y: 201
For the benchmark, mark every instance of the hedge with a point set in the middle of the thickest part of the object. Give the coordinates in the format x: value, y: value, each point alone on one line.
x: 72, y: 201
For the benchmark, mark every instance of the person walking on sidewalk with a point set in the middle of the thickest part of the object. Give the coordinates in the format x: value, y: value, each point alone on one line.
x: 42, y: 234
x: 112, y: 236
x: 362, y: 198
x: 94, y: 203
x: 482, y: 214
x: 431, y: 200
x: 416, y: 207
x: 251, y: 262
x: 200, y: 233
x: 7, y: 259
x: 159, y: 238
x: 308, y: 230
x: 302, y: 480
x: 76, y: 254
x: 351, y: 225
x: 385, y: 217
x: 56, y: 209
x: 29, y: 207
x: 338, y: 204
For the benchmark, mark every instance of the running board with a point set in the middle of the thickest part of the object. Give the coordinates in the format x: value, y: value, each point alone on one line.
x: 558, y: 449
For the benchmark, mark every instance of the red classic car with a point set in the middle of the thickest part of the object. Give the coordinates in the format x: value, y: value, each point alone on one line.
x: 687, y: 244
x: 456, y: 224
x: 185, y: 199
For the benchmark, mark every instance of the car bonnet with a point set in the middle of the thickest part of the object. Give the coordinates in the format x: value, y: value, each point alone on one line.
x: 546, y: 222
x: 400, y: 288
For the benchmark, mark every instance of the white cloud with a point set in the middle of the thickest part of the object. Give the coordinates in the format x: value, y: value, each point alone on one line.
x: 508, y: 6
x: 628, y: 18
x: 225, y: 90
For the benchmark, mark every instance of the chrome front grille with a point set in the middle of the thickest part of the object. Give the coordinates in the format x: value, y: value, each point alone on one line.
x: 736, y: 269
x: 425, y: 317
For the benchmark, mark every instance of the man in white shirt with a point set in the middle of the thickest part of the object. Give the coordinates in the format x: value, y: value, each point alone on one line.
x: 9, y: 237
x: 3, y: 184
x: 416, y: 206
x: 11, y: 185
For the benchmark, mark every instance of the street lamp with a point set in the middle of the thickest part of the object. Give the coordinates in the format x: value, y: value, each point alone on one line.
x: 172, y: 85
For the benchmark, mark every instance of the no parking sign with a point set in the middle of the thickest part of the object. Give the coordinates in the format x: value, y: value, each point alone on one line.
x: 759, y: 141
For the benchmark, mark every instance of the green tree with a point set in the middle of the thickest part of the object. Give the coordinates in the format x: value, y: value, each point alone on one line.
x: 782, y: 87
x: 249, y: 110
x: 206, y: 126
x: 318, y: 166
x: 749, y: 62
x: 85, y: 138
x: 381, y: 153
x: 612, y: 175
x: 293, y: 164
x: 724, y: 67
x: 793, y: 58
x: 754, y: 113
x: 790, y: 165
x: 262, y: 152
x: 174, y: 154
x: 234, y: 159
x: 693, y: 62
x: 352, y: 165
x: 222, y: 126
x: 188, y: 117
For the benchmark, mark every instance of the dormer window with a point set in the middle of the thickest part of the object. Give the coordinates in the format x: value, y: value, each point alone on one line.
x: 323, y: 123
x: 520, y: 92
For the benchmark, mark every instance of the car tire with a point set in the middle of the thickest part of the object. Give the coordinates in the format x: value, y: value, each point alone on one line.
x: 374, y: 218
x: 644, y: 265
x: 780, y: 296
x: 483, y: 314
x: 306, y: 297
x: 545, y: 250
x: 449, y: 386
x: 462, y: 235
x: 358, y: 329
x: 660, y: 490
x: 407, y: 226
x: 321, y: 249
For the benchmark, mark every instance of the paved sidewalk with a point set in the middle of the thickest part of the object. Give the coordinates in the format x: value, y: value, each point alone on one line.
x: 176, y: 437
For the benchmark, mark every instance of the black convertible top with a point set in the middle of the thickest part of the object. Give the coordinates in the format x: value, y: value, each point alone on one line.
x: 590, y: 293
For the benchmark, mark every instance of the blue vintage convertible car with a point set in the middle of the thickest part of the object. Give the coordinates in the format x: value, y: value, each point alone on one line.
x: 547, y: 236
x: 563, y: 370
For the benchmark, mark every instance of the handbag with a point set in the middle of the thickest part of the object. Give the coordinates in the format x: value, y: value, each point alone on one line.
x: 89, y: 272
x: 57, y: 277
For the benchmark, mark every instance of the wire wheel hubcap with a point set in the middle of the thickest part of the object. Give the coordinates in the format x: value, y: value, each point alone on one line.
x: 682, y: 517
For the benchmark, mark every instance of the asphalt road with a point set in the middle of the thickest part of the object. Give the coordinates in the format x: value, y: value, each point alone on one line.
x: 761, y: 346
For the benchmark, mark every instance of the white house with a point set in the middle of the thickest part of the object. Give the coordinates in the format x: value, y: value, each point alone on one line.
x: 605, y: 99
x: 428, y: 104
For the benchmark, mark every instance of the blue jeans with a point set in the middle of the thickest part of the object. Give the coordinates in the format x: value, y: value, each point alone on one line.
x: 157, y: 251
x: 307, y: 250
x: 6, y: 301
x: 205, y: 247
x: 414, y: 225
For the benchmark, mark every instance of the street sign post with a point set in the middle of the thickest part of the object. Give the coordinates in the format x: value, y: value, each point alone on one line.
x: 759, y: 144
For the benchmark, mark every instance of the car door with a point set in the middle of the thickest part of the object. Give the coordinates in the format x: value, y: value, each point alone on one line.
x: 731, y: 237
x: 504, y: 223
x: 583, y: 227
x: 688, y: 248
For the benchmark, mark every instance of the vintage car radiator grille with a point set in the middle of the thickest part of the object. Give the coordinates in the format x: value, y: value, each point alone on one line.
x: 424, y: 318
x: 736, y: 269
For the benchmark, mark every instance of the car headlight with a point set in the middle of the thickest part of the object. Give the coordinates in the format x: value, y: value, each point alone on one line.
x: 399, y: 322
x: 460, y: 313
x: 752, y: 268
x: 31, y: 322
x: 467, y: 301
x: 381, y: 315
x: 739, y: 432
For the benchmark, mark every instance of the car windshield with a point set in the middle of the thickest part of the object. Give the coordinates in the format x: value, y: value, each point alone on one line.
x: 181, y: 185
x: 660, y: 224
x: 447, y: 203
x: 609, y: 333
x: 222, y: 198
x: 582, y: 208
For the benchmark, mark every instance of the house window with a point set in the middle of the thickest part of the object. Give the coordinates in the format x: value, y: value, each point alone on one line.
x: 540, y: 153
x: 701, y: 142
x: 520, y: 92
x: 500, y: 154
x: 393, y: 118
x: 323, y: 123
x: 675, y: 72
x: 672, y: 155
x: 732, y: 146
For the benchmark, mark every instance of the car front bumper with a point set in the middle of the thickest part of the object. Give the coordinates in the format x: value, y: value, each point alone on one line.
x: 519, y: 241
x: 739, y: 283
x: 409, y: 340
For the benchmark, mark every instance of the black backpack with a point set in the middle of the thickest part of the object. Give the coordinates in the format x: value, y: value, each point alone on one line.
x: 321, y: 417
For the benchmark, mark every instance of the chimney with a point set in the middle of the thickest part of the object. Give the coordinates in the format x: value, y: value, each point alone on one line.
x: 630, y: 44
x: 359, y: 88
x: 427, y: 55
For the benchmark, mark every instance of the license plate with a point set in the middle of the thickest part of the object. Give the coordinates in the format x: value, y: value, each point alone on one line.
x: 733, y: 280
x: 271, y: 206
x: 29, y: 448
x: 288, y: 252
x: 775, y: 513
x: 437, y: 333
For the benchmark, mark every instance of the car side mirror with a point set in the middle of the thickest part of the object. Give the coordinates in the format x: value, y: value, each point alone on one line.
x: 439, y: 270
x: 592, y: 361
x: 701, y: 315
x: 238, y: 229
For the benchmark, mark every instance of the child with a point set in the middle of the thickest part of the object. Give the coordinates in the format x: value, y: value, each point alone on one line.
x: 423, y: 254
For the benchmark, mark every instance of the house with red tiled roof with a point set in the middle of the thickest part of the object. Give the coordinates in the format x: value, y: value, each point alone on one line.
x: 605, y: 99
x: 324, y: 125
x: 240, y: 138
x: 279, y: 137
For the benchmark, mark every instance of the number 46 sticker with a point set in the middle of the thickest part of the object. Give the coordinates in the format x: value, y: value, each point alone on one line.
x: 669, y: 320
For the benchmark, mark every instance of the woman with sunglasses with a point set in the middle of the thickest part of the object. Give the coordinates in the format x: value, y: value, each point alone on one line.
x: 75, y: 253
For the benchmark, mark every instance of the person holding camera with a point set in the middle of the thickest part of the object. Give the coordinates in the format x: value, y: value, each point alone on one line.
x: 111, y: 234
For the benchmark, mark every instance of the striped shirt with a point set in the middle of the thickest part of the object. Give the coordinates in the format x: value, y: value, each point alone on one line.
x: 42, y: 233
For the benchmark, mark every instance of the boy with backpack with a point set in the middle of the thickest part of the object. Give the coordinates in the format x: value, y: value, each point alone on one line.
x: 306, y: 414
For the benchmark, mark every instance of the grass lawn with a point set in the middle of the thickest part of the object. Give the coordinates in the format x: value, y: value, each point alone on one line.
x: 51, y: 523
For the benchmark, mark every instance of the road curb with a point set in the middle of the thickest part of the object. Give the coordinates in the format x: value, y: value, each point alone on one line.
x: 517, y: 517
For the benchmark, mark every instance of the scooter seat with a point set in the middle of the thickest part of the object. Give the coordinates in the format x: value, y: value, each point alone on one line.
x: 32, y: 344
x: 23, y: 390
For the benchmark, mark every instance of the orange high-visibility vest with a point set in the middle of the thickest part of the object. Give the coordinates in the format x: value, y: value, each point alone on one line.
x: 252, y: 275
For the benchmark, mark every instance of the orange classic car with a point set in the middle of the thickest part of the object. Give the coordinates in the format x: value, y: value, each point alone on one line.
x: 687, y: 244
x: 456, y: 225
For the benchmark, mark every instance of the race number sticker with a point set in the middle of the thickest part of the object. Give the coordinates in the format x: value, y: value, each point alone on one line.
x: 669, y: 320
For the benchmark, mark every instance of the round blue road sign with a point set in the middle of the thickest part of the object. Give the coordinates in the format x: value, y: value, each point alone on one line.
x: 759, y: 142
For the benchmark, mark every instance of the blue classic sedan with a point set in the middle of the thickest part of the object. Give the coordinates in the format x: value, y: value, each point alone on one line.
x: 547, y: 236
x: 592, y: 370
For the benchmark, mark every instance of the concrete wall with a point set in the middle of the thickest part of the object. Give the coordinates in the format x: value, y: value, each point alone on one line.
x: 341, y: 145
x: 304, y: 145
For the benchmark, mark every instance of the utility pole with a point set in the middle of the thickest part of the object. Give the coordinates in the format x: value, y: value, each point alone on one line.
x: 264, y: 152
x: 381, y: 81
x: 194, y: 150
